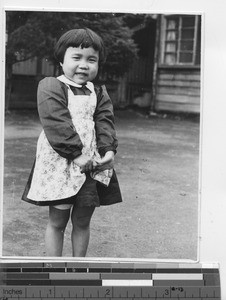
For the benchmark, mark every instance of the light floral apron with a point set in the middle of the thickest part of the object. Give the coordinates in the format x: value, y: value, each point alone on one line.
x: 54, y: 176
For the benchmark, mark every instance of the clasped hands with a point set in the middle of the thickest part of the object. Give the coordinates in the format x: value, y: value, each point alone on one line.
x: 88, y: 164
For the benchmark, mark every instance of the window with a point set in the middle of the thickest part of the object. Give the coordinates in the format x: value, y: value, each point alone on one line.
x: 182, y: 40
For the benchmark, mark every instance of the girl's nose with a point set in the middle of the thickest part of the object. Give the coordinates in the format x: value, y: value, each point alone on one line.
x: 83, y: 64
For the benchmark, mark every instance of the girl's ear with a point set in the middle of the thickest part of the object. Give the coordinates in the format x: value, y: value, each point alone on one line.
x: 61, y: 64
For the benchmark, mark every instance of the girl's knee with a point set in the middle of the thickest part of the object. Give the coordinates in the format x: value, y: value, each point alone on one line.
x: 82, y: 222
x: 81, y: 217
x: 58, y: 218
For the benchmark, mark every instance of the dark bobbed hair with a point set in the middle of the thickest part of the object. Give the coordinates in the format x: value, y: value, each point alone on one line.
x: 84, y: 38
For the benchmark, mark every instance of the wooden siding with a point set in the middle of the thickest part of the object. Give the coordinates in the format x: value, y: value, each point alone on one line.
x: 30, y: 67
x: 139, y: 79
x: 47, y: 69
x: 178, y: 90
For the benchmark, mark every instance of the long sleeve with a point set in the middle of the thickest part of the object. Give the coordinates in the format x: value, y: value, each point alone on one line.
x: 56, y: 120
x: 104, y: 123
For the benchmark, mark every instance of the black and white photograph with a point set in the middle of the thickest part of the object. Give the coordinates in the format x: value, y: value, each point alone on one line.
x: 102, y: 134
x: 112, y: 148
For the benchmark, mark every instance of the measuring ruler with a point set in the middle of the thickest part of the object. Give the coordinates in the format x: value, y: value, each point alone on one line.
x: 109, y: 280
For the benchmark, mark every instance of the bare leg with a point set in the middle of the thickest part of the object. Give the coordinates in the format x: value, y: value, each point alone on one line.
x: 54, y: 238
x: 81, y: 217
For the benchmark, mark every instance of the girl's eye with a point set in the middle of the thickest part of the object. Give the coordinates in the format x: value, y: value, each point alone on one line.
x: 92, y: 60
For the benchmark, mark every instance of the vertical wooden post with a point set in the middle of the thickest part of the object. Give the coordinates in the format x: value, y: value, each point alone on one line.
x: 38, y: 69
x: 8, y: 86
x: 155, y: 69
x: 122, y: 101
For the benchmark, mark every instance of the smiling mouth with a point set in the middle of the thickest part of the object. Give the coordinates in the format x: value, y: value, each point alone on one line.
x: 82, y: 74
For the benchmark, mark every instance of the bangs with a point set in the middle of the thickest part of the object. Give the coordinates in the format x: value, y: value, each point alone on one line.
x: 83, y: 38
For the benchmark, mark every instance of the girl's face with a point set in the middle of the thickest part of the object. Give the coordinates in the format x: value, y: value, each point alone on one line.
x: 80, y: 64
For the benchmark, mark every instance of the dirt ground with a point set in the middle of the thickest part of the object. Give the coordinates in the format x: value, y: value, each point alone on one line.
x: 157, y: 166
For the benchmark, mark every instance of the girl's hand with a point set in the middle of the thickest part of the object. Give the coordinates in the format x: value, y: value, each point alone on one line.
x: 106, y: 162
x: 108, y: 157
x: 84, y: 162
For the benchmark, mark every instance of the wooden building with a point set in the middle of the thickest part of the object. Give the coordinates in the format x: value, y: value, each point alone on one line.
x: 167, y: 73
x: 165, y: 77
x: 177, y: 78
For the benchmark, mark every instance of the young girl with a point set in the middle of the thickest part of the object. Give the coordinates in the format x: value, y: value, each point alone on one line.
x: 73, y: 171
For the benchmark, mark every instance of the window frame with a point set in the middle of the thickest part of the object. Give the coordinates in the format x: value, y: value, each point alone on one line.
x: 178, y: 32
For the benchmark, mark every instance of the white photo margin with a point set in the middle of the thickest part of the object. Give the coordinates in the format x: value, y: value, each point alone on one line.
x: 212, y: 214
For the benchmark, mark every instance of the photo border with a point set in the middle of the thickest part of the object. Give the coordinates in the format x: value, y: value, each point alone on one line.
x: 212, y: 191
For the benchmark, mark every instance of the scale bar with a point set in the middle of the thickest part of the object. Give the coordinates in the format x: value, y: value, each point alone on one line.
x: 116, y: 280
x: 120, y: 282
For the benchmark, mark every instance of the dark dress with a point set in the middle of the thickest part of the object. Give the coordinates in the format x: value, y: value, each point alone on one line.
x: 63, y: 138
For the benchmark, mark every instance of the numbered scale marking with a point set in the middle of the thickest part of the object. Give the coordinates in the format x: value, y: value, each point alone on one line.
x: 105, y: 280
